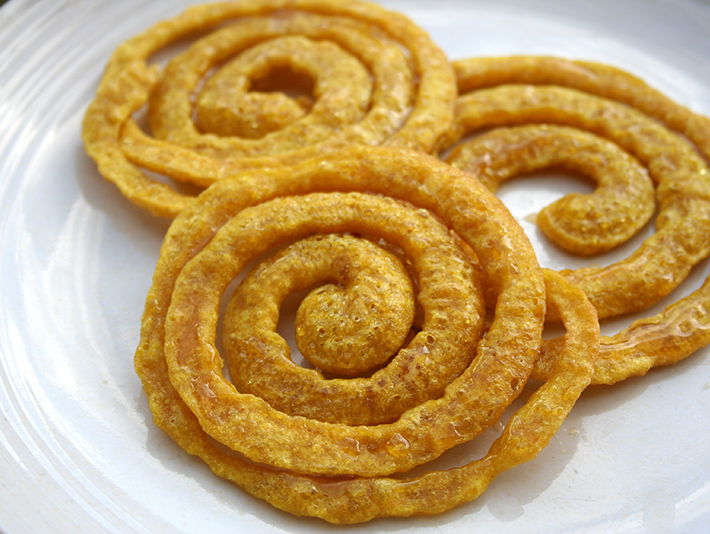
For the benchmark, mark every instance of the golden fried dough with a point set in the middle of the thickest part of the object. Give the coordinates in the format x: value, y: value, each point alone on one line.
x: 622, y: 203
x: 680, y: 173
x: 672, y: 142
x: 367, y: 76
x: 442, y: 348
x: 233, y: 222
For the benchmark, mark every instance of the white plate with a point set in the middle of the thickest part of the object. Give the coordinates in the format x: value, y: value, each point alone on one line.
x: 78, y: 450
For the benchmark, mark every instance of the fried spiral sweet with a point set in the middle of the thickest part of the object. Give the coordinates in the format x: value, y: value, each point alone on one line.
x: 274, y: 82
x: 330, y: 202
x: 672, y: 142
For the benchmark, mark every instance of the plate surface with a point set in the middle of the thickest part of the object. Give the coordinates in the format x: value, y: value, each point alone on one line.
x: 78, y: 450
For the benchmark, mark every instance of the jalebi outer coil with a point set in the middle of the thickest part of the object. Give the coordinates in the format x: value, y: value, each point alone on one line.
x: 334, y: 200
x: 273, y: 82
x: 672, y: 143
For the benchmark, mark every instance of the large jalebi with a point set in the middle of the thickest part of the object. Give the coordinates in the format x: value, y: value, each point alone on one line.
x: 361, y: 75
x: 236, y: 220
x: 672, y: 142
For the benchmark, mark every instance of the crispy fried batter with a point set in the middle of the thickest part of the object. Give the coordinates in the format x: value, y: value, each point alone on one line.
x: 680, y: 173
x: 622, y: 203
x: 670, y: 140
x: 209, y: 243
x: 357, y: 321
x: 382, y: 81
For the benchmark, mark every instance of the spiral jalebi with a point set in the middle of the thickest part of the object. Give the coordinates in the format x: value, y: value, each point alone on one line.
x: 364, y: 76
x: 673, y: 144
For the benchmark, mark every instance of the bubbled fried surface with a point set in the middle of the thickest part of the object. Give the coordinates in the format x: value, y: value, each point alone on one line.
x: 671, y: 141
x: 381, y: 80
x: 180, y: 368
x: 612, y: 104
x: 439, y: 351
x: 622, y: 203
